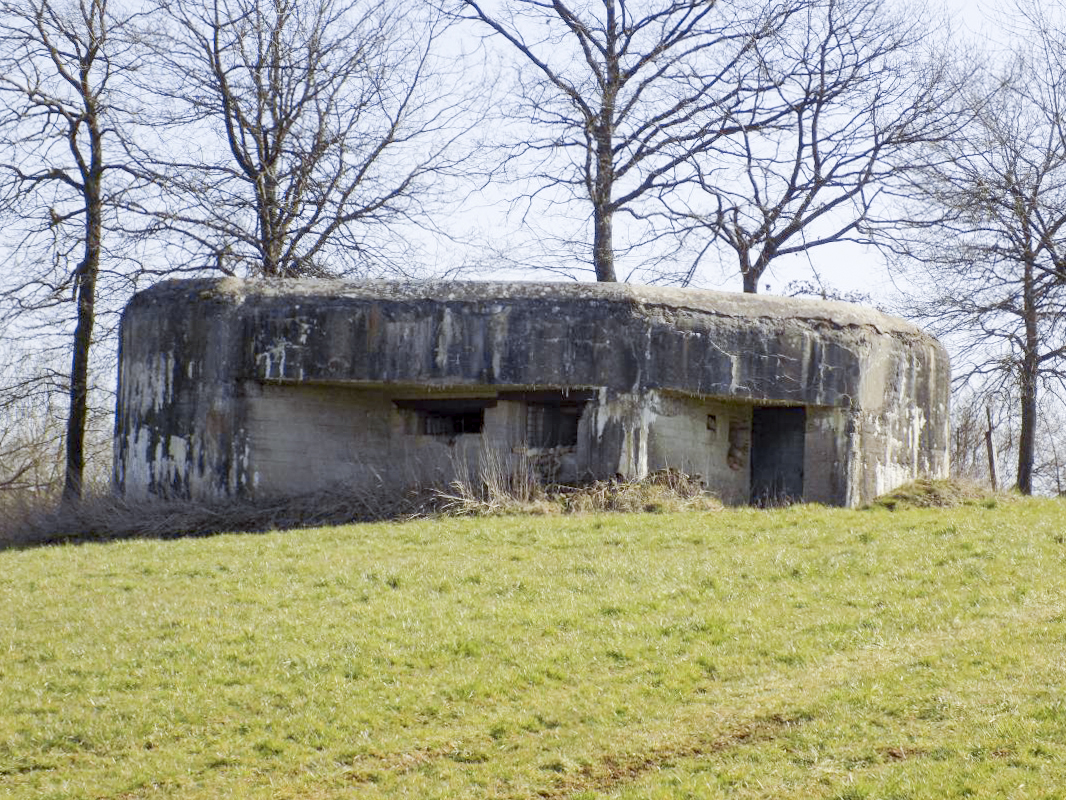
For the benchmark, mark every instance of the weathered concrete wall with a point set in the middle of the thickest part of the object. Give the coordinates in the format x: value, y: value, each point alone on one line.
x: 230, y: 388
x: 179, y: 427
x: 358, y: 437
x: 683, y: 437
x: 827, y: 457
x: 902, y: 420
x: 623, y: 337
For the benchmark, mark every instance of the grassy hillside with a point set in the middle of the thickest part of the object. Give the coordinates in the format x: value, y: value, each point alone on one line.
x: 798, y: 653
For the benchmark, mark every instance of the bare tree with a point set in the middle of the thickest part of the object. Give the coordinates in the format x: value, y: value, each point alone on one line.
x: 30, y: 441
x: 985, y: 251
x: 980, y: 438
x: 861, y: 94
x: 985, y: 437
x: 1049, y: 468
x: 62, y: 65
x: 312, y: 131
x: 620, y: 95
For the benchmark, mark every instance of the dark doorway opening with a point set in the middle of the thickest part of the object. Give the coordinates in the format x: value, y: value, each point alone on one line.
x: 777, y: 435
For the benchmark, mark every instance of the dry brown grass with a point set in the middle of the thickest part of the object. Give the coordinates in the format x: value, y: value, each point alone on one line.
x: 928, y: 493
x: 665, y: 490
x: 28, y: 520
x: 32, y: 520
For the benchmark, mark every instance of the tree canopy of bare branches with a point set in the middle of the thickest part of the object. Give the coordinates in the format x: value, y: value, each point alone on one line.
x: 314, y: 130
x: 620, y: 96
x: 63, y: 64
x: 986, y: 247
x: 861, y: 92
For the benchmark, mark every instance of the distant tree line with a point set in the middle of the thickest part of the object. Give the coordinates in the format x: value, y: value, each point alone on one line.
x: 656, y: 141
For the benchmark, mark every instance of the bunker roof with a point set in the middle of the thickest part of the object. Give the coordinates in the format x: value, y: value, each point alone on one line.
x: 644, y: 300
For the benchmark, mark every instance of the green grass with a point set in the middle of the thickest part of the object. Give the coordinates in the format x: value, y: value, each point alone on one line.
x: 801, y: 653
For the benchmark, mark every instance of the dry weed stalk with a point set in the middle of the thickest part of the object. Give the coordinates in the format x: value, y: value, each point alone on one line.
x: 518, y: 491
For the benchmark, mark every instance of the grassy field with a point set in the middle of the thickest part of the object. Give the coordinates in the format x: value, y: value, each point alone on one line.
x: 803, y: 653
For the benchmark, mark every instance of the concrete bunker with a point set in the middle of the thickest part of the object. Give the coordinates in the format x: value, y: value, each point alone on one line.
x: 252, y: 389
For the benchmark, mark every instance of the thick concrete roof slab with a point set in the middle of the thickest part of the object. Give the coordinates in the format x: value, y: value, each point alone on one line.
x: 619, y: 336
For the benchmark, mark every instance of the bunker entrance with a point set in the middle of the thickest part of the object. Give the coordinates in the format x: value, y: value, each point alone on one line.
x: 777, y: 435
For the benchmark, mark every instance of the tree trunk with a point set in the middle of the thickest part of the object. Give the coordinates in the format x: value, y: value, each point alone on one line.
x: 79, y: 365
x: 1027, y: 435
x: 266, y: 189
x: 603, y: 246
x: 85, y: 277
x: 603, y: 186
x: 751, y: 273
x: 990, y: 451
x: 1027, y: 386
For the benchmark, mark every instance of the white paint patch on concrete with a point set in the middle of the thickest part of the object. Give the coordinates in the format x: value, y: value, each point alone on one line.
x: 179, y: 452
x: 444, y: 339
x: 601, y: 410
